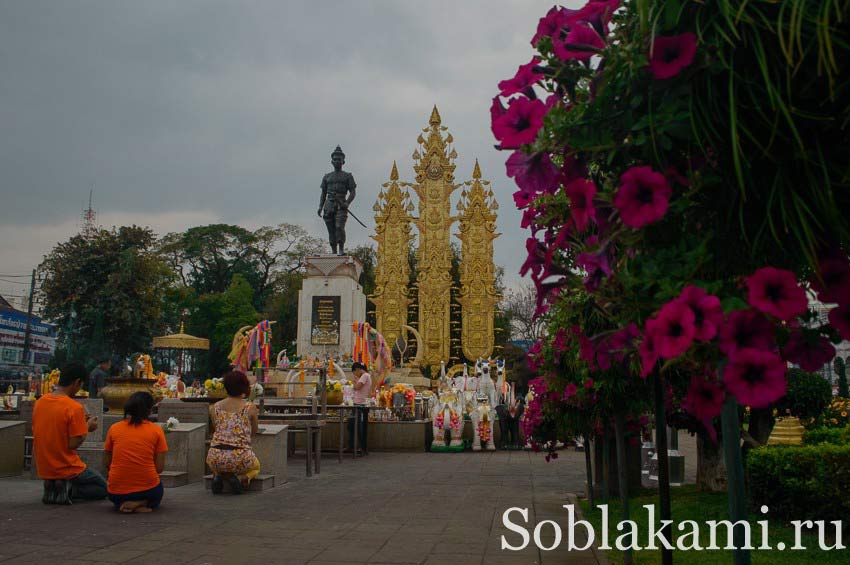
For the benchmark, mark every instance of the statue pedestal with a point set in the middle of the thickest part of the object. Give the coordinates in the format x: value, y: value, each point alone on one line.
x: 330, y: 300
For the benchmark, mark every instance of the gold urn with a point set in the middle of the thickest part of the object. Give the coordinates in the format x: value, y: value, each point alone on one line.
x: 119, y: 389
x: 787, y: 431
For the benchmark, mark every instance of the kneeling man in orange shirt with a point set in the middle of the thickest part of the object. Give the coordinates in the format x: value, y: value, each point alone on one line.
x: 59, y: 427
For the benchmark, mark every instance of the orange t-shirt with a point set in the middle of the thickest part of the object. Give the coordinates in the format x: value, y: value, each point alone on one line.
x: 56, y: 419
x: 133, y: 449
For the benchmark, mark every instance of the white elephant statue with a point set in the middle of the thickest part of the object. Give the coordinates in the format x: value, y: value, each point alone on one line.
x: 486, y: 387
x: 448, y: 415
x: 438, y: 423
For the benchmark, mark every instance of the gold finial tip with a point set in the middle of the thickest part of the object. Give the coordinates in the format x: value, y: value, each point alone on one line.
x: 181, y: 328
x: 435, y: 119
x: 476, y: 172
x: 394, y: 173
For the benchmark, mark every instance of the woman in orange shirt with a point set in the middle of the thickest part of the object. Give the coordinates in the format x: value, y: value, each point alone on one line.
x: 134, y: 455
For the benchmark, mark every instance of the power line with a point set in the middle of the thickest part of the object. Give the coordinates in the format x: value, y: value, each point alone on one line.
x: 15, y: 276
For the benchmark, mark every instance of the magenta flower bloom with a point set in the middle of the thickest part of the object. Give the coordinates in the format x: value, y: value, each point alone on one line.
x: 533, y: 173
x: 674, y: 329
x: 587, y: 351
x: 588, y: 384
x: 833, y: 285
x: 551, y: 24
x: 535, y: 356
x: 809, y: 351
x: 746, y: 329
x: 497, y: 110
x: 671, y: 54
x: 776, y: 292
x: 570, y: 390
x: 581, y: 193
x: 708, y: 314
x: 646, y: 350
x: 704, y: 401
x: 643, y: 196
x: 520, y: 123
x: 597, y: 267
x: 524, y: 79
x: 839, y: 318
x: 755, y: 377
x: 622, y: 340
x: 601, y: 10
x: 581, y: 43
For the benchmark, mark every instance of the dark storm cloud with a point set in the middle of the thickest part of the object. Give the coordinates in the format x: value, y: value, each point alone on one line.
x: 229, y: 110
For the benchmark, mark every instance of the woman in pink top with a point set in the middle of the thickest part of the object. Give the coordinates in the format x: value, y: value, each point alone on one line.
x: 362, y: 391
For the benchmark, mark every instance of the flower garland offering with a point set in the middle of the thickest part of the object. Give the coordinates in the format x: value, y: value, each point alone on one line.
x: 484, y: 431
x: 439, y: 420
x: 454, y: 422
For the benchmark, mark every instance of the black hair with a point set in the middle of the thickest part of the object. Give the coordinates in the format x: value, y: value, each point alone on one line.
x: 138, y: 407
x: 236, y: 383
x: 70, y: 372
x: 103, y: 359
x: 358, y: 365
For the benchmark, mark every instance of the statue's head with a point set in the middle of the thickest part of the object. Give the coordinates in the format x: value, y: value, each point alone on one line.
x: 337, y: 158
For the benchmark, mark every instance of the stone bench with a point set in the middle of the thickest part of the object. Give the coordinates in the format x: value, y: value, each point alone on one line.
x: 185, y: 412
x: 186, y: 454
x: 270, y: 446
x: 12, y: 448
x: 91, y: 453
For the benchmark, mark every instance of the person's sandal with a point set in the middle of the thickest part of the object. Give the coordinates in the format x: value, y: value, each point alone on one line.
x: 217, y: 485
x: 63, y: 492
x: 235, y: 484
x: 49, y: 496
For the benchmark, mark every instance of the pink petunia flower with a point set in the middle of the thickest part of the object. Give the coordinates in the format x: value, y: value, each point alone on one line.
x: 746, y: 329
x: 708, y: 314
x: 559, y: 344
x: 581, y: 43
x: 596, y: 12
x: 581, y: 193
x: 520, y: 123
x: 533, y: 173
x: 809, y: 351
x: 588, y: 384
x: 643, y: 196
x: 755, y: 377
x: 551, y: 24
x: 776, y: 292
x: 597, y: 267
x: 839, y: 318
x: 673, y: 330
x: 704, y: 401
x: 671, y: 54
x: 570, y: 390
x: 833, y: 284
x: 535, y: 356
x: 525, y: 79
x: 587, y: 351
x: 622, y: 340
x: 497, y: 110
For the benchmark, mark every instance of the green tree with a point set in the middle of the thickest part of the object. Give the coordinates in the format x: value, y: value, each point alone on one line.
x: 109, y: 287
x: 219, y: 316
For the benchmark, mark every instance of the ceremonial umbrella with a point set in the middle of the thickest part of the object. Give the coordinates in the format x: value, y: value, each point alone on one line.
x: 181, y: 342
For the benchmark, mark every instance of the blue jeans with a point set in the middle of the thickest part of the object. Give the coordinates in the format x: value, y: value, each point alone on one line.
x: 361, y: 419
x: 153, y: 496
x: 88, y: 485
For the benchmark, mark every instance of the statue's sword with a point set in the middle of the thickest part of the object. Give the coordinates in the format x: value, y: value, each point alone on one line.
x: 350, y: 213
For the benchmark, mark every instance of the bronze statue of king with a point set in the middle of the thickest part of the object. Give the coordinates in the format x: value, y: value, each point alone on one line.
x: 338, y: 191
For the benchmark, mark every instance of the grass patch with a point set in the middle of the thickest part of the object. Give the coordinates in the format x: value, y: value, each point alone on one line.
x: 689, y: 504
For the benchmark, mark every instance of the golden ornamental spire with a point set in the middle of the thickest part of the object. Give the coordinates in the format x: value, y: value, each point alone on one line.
x: 478, y: 296
x: 434, y: 187
x: 392, y: 232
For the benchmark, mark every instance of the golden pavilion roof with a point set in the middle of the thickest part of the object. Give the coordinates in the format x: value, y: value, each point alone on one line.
x: 181, y: 341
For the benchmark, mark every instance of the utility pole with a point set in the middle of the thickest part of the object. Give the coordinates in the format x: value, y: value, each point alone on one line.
x: 28, y: 332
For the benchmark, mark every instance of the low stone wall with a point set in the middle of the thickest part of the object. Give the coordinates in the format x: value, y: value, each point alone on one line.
x: 187, y: 450
x: 12, y: 448
x: 270, y: 447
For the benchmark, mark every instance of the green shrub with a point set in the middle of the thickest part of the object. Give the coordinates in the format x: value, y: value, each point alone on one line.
x: 841, y: 371
x: 801, y: 483
x: 817, y: 436
x: 807, y: 395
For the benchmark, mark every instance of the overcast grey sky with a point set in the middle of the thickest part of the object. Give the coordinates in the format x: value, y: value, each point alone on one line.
x: 180, y: 113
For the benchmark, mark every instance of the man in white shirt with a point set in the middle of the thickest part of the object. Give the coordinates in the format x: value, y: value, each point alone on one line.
x: 362, y: 391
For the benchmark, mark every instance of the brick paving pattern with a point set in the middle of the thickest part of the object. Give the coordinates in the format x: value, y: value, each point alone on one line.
x: 385, y: 508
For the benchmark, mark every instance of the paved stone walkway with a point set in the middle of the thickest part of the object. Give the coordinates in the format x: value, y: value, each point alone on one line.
x: 385, y: 508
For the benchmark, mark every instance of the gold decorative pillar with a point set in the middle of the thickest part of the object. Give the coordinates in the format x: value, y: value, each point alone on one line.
x: 392, y: 232
x: 434, y: 166
x: 478, y: 296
